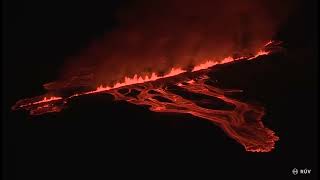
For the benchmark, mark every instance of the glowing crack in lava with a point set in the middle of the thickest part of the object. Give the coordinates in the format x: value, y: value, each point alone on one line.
x: 182, y: 92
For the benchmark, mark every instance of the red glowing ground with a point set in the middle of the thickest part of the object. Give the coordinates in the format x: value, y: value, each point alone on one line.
x: 181, y: 92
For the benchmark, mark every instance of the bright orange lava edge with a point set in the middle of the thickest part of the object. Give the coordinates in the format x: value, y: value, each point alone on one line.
x: 136, y: 79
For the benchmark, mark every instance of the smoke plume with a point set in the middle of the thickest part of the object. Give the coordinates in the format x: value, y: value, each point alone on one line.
x: 154, y: 36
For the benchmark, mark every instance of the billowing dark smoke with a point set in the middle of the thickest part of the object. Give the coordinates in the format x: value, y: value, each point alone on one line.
x: 160, y: 34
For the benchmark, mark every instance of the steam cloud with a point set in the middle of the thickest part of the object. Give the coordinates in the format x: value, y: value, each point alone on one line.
x: 154, y: 36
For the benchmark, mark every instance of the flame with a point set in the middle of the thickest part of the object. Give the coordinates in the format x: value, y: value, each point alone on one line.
x: 260, y: 53
x: 174, y: 71
x: 44, y: 100
x: 211, y: 63
x: 228, y: 59
x: 268, y: 43
x: 52, y: 98
x: 138, y: 79
x: 252, y: 134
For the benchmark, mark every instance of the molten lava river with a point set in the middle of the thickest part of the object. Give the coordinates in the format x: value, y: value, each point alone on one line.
x: 182, y: 92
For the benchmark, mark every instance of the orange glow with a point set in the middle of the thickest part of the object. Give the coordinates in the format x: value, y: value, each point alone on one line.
x: 268, y: 43
x: 209, y: 63
x: 241, y: 121
x: 44, y: 100
x: 260, y: 53
x: 174, y: 71
x: 228, y: 59
x: 138, y: 79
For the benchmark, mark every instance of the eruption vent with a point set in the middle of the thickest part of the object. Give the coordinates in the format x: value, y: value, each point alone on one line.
x: 181, y: 91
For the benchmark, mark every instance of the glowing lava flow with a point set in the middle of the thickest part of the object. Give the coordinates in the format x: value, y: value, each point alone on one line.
x: 183, y: 92
x: 239, y: 120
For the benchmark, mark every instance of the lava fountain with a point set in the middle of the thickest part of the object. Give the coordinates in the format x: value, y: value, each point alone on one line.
x: 181, y: 91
